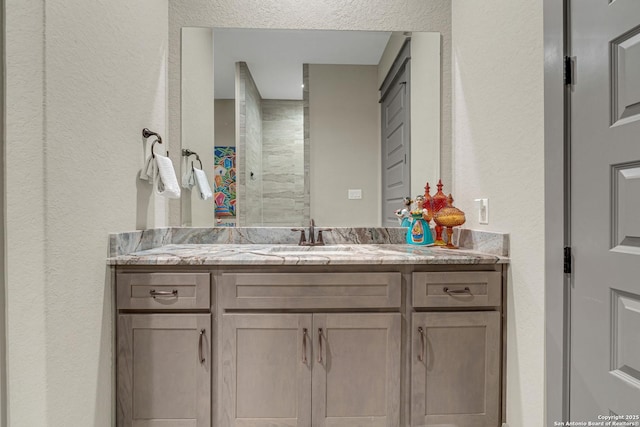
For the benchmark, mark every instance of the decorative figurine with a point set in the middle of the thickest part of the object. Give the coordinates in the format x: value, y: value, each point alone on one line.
x: 428, y: 201
x: 404, y: 215
x: 419, y: 232
x: 450, y: 217
x: 439, y: 201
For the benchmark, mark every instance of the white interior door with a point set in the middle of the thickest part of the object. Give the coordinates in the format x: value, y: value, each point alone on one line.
x: 605, y: 206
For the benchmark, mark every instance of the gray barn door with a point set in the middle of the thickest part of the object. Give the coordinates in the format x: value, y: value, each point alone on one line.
x: 605, y: 209
x: 396, y: 136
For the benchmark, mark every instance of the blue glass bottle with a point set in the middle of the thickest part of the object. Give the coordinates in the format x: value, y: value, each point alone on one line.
x: 419, y: 232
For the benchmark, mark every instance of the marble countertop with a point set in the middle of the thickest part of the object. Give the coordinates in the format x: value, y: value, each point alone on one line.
x: 285, y: 254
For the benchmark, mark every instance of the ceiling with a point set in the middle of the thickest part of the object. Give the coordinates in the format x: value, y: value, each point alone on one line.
x: 275, y: 57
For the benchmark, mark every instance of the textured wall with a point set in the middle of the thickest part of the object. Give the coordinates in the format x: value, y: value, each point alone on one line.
x: 498, y: 152
x: 80, y: 92
x: 25, y: 214
x: 282, y: 163
x: 383, y: 15
x: 249, y: 149
x: 3, y: 347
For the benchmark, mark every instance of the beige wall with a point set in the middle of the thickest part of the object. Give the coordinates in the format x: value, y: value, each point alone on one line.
x: 225, y: 123
x: 425, y: 111
x: 197, y: 127
x: 3, y: 347
x: 80, y: 93
x: 345, y: 144
x: 498, y: 153
x: 390, y: 15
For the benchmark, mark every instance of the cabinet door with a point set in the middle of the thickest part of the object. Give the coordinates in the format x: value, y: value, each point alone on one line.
x: 164, y: 370
x: 356, y: 373
x: 266, y: 370
x: 455, y: 376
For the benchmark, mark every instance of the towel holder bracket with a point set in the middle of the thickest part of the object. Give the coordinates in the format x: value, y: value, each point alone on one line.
x: 146, y: 133
x: 186, y: 153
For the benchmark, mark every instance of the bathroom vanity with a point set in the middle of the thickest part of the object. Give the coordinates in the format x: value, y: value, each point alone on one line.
x: 280, y: 335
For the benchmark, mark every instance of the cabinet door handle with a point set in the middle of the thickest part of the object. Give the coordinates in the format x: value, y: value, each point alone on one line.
x: 319, y: 345
x: 202, y: 359
x: 465, y: 291
x: 305, y: 335
x: 154, y: 293
x: 422, y: 344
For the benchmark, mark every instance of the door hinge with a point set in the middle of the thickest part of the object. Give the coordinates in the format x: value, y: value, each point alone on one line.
x: 567, y: 259
x: 569, y: 70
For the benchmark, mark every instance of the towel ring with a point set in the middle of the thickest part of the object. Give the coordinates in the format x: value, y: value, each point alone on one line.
x: 186, y: 153
x: 146, y: 133
x: 153, y: 155
x: 198, y: 159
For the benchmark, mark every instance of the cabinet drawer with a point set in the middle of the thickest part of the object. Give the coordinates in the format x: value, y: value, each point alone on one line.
x: 163, y: 291
x: 310, y: 290
x: 457, y: 289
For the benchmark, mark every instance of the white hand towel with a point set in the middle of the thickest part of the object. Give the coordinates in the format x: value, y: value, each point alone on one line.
x: 203, y: 184
x: 149, y: 171
x: 166, y: 183
x: 188, y: 179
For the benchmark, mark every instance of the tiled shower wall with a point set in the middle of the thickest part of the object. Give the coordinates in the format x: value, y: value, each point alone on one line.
x: 283, y: 163
x: 249, y: 198
x: 271, y: 182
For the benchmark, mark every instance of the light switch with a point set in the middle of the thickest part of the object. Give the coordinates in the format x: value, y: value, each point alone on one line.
x: 483, y: 210
x: 355, y: 194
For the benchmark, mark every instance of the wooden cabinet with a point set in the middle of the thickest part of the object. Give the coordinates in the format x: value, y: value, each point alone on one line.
x: 163, y: 291
x: 310, y: 346
x: 310, y: 290
x: 266, y: 370
x: 356, y: 370
x: 164, y: 370
x: 310, y: 370
x: 455, y: 369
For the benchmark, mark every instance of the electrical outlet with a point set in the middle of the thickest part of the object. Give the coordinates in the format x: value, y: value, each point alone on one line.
x: 483, y: 210
x: 355, y: 194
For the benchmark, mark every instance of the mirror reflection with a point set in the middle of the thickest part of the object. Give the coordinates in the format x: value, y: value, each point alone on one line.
x: 311, y: 124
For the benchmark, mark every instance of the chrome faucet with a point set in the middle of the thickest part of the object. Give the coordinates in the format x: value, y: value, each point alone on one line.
x: 312, y: 235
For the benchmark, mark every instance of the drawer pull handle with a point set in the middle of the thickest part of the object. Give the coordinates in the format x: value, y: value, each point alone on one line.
x: 465, y: 291
x: 422, y: 344
x: 320, y: 345
x: 305, y: 335
x: 202, y: 332
x: 154, y: 293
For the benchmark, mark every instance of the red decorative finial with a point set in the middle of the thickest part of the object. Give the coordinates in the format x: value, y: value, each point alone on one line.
x: 439, y: 199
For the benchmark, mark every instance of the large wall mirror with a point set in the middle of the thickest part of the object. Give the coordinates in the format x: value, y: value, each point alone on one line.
x: 297, y: 124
